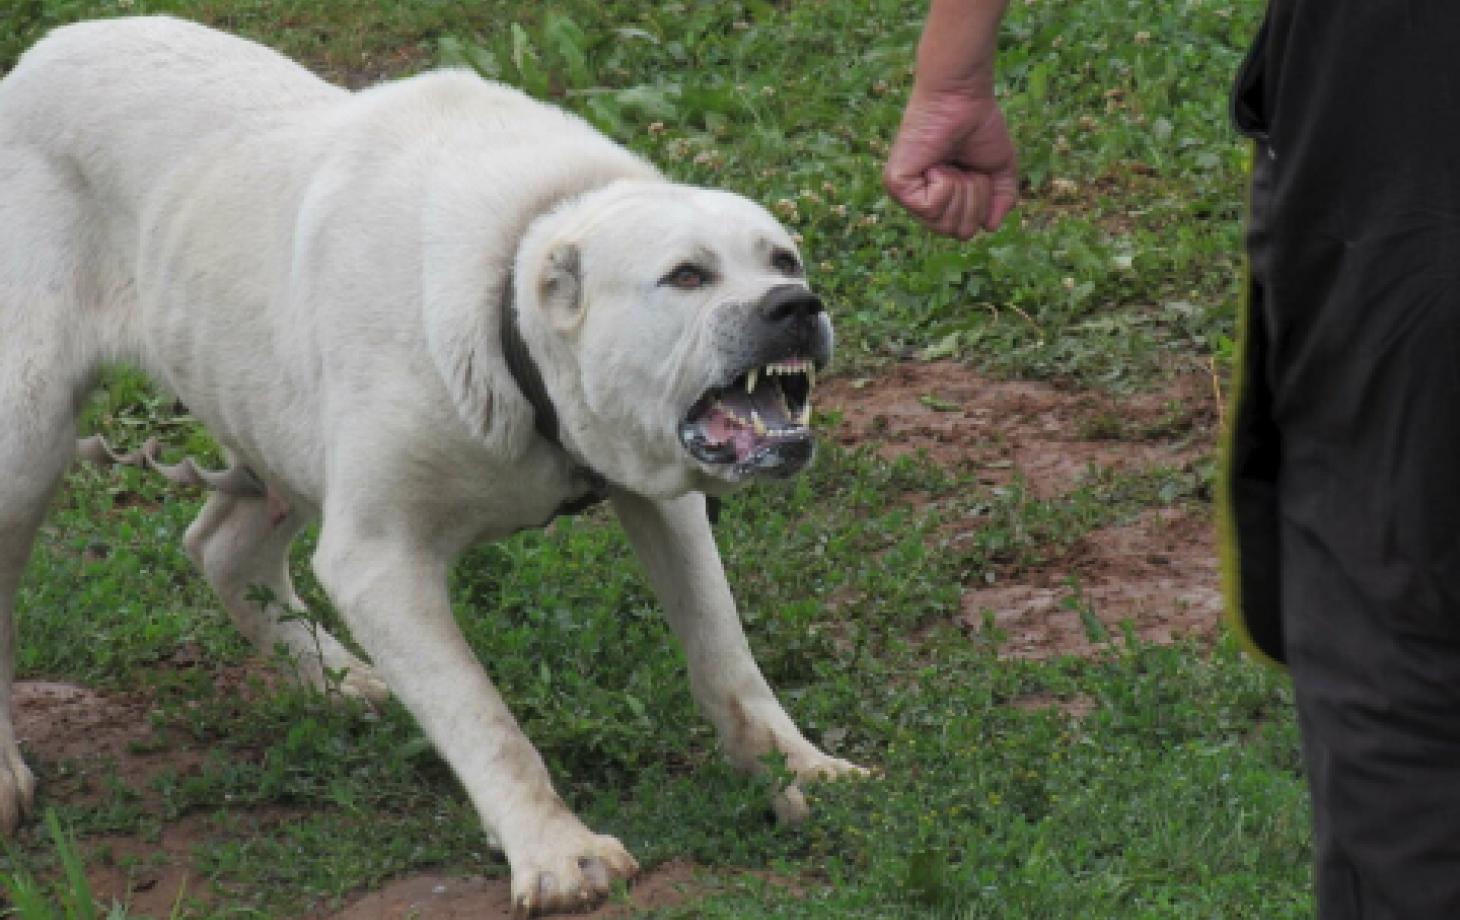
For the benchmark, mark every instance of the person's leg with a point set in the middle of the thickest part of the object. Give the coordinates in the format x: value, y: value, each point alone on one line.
x: 1380, y: 718
x: 1360, y: 273
x: 1367, y: 398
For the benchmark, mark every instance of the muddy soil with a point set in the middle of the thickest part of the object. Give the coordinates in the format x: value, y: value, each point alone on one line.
x: 451, y: 897
x: 1155, y: 578
x: 88, y: 740
x: 1047, y: 435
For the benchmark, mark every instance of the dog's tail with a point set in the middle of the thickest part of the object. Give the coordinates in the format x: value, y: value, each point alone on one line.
x: 234, y: 480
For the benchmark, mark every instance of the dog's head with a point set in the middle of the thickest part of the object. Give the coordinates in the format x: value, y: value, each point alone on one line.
x: 678, y: 336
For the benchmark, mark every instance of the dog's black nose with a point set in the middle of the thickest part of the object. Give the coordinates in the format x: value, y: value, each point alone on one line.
x: 788, y: 303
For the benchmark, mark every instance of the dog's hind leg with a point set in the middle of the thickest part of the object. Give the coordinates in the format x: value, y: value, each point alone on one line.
x: 48, y: 353
x: 36, y: 440
x: 241, y: 544
x: 41, y: 385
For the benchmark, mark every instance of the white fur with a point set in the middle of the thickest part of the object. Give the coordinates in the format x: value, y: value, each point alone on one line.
x: 318, y: 275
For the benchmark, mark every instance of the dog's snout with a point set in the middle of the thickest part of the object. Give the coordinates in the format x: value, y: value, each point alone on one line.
x: 788, y: 321
x: 789, y: 302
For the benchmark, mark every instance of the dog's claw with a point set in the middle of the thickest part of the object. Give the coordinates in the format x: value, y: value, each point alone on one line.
x: 314, y: 660
x: 17, y: 792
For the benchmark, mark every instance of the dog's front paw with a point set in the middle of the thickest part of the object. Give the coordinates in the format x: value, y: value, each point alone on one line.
x: 789, y: 803
x: 17, y: 791
x: 361, y: 682
x: 818, y: 767
x: 567, y: 868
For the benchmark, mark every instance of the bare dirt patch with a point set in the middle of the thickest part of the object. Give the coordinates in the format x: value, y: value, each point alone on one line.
x: 93, y: 734
x: 453, y: 897
x: 1156, y: 576
x: 81, y: 741
x: 149, y: 877
x: 999, y: 429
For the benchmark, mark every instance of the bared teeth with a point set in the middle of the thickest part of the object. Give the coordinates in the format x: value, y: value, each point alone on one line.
x: 793, y: 366
x: 750, y: 380
x: 760, y: 428
x: 804, y: 416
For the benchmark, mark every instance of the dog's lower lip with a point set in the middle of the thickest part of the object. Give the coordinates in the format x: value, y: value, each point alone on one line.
x: 730, y: 443
x: 782, y: 454
x: 784, y: 458
x: 702, y: 449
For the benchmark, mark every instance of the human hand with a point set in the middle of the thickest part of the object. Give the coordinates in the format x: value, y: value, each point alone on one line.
x: 953, y: 165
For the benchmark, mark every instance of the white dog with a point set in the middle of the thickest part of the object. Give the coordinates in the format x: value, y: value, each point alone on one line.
x: 430, y: 313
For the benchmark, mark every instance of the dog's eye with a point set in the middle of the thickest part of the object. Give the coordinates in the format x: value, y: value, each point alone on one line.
x: 785, y: 263
x: 687, y: 277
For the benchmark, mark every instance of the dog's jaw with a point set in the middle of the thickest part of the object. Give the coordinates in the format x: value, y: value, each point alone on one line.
x: 757, y: 424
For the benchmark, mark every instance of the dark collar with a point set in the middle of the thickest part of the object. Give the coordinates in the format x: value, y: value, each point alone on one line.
x: 528, y: 377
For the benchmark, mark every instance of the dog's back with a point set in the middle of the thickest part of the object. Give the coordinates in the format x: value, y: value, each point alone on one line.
x: 135, y: 93
x: 161, y: 185
x: 93, y: 119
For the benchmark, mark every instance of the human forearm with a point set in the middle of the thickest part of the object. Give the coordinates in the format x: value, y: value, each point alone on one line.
x: 953, y: 164
x: 958, y: 45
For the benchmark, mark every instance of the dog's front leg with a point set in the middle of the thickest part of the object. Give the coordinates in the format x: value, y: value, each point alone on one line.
x: 674, y: 542
x: 394, y: 599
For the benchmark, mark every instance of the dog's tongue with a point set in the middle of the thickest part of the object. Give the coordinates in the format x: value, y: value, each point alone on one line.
x: 746, y: 420
x: 720, y: 428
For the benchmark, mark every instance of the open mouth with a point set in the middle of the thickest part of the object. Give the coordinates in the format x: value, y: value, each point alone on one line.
x: 758, y: 423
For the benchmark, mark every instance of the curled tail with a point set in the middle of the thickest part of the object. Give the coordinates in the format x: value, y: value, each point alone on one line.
x: 234, y: 480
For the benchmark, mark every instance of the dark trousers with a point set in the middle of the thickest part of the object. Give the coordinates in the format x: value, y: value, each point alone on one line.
x: 1343, y: 456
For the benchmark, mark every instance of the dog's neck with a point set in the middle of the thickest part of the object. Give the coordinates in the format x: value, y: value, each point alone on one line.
x: 524, y: 369
x: 528, y: 377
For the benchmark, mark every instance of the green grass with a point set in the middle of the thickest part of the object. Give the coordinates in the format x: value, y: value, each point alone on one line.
x: 1179, y: 795
x: 1104, y: 281
x: 1165, y: 801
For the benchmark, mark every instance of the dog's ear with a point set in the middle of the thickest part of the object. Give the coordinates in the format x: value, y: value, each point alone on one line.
x: 560, y: 286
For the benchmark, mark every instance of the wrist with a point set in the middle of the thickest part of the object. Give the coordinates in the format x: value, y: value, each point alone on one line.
x: 957, y: 48
x: 935, y: 82
x: 939, y: 92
